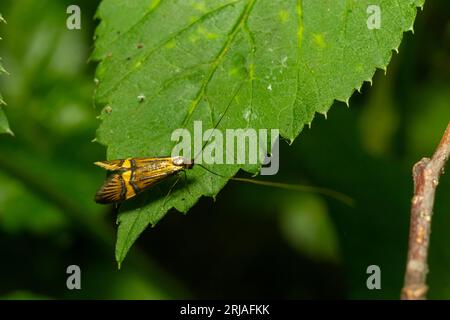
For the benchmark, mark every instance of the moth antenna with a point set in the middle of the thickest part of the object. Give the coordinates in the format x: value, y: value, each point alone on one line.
x: 221, y: 117
x: 185, y: 182
x: 295, y: 187
x: 214, y: 173
x: 302, y: 188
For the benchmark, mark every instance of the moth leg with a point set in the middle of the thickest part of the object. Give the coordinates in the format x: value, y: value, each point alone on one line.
x: 185, y: 182
x: 169, y: 192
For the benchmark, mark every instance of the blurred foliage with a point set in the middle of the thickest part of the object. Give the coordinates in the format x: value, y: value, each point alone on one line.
x: 283, y: 244
x: 4, y: 126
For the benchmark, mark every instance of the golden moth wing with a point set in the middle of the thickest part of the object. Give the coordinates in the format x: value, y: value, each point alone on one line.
x: 113, y: 190
x: 144, y: 179
x: 134, y: 176
x: 133, y: 163
x: 114, y: 165
x: 141, y: 162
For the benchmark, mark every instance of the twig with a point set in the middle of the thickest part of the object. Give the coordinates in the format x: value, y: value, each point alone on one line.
x: 426, y: 175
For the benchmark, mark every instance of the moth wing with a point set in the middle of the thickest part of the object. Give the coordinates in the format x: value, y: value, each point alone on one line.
x: 142, y: 162
x: 125, y: 164
x: 145, y: 179
x: 113, y: 190
x: 127, y: 183
x: 111, y: 165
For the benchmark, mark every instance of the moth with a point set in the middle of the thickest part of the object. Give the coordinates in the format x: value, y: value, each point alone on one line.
x: 131, y: 176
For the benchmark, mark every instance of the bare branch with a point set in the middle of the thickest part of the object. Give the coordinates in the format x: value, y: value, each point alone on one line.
x: 426, y: 175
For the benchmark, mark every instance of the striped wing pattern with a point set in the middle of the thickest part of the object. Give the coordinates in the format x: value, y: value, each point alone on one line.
x: 132, y: 176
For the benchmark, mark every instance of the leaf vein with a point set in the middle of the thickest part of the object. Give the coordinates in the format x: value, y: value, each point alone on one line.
x: 166, y: 41
x: 231, y: 36
x: 152, y: 9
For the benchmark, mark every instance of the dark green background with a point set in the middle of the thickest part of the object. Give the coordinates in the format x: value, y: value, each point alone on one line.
x: 253, y: 241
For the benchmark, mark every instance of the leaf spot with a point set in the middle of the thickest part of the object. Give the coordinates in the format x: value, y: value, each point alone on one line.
x: 108, y: 109
x: 141, y: 98
x: 319, y: 40
x: 283, y: 15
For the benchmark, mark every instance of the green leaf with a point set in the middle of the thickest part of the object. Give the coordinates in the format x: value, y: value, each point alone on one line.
x: 4, y: 125
x: 266, y: 64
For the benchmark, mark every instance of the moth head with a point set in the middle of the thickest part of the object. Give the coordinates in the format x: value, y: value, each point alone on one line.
x: 183, y: 162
